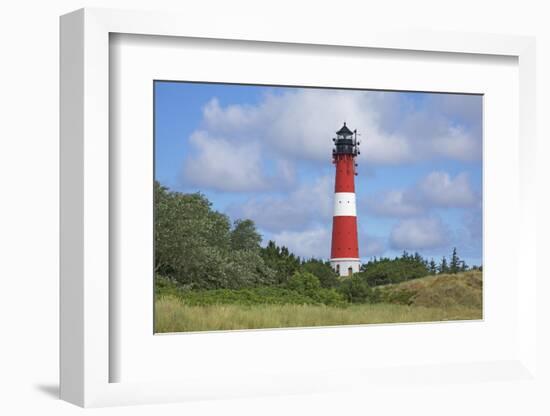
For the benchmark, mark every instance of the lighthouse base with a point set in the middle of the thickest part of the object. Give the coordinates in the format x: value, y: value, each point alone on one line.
x: 345, y: 267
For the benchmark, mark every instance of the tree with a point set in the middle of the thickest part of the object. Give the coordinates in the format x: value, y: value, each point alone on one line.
x: 193, y: 245
x: 455, y: 262
x: 244, y: 236
x: 443, y: 267
x: 187, y: 233
x: 280, y: 260
x: 432, y: 267
x: 322, y: 270
x: 246, y: 268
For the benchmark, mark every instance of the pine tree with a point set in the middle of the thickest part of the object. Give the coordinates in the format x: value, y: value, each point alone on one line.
x: 281, y: 260
x: 443, y: 267
x: 432, y: 267
x: 455, y: 262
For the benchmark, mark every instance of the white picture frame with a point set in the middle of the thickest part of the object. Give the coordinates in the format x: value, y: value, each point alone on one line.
x: 86, y: 330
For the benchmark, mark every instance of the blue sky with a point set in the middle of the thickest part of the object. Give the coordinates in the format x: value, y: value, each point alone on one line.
x: 264, y: 153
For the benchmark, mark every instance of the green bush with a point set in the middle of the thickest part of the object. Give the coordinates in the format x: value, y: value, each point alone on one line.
x: 165, y: 286
x: 304, y: 282
x: 309, y: 285
x: 251, y: 296
x: 305, y: 290
x: 356, y: 290
x: 322, y: 270
x: 385, y: 271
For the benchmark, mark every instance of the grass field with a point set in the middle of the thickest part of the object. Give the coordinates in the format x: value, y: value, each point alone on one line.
x: 428, y: 299
x: 172, y: 315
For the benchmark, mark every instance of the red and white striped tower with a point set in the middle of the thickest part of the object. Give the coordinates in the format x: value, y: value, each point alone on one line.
x: 344, y: 256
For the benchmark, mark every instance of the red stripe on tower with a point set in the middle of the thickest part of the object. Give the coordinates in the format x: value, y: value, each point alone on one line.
x: 344, y: 256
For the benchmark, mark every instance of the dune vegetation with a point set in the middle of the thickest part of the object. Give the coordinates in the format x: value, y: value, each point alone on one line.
x: 439, y: 291
x: 427, y: 299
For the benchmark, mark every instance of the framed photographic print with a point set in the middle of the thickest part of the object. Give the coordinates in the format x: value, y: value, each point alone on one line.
x: 262, y: 220
x: 253, y: 215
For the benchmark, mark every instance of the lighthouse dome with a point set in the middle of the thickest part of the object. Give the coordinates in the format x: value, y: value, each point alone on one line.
x: 344, y: 142
x: 344, y: 131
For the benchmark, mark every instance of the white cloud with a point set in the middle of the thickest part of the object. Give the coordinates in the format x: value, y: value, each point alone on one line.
x: 456, y: 144
x: 439, y: 126
x: 300, y: 124
x: 394, y: 203
x: 439, y: 189
x: 232, y: 118
x: 436, y: 190
x: 313, y: 242
x: 222, y: 165
x: 298, y: 209
x: 419, y: 233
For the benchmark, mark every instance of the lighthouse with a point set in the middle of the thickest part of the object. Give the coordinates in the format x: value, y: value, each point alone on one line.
x: 344, y: 257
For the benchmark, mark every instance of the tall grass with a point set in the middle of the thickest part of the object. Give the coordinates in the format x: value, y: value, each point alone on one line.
x: 172, y: 314
x: 440, y: 291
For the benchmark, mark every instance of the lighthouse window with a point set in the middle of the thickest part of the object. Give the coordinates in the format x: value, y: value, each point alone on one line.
x: 350, y: 271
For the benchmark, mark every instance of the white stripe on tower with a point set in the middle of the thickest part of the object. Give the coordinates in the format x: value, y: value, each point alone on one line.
x: 344, y: 204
